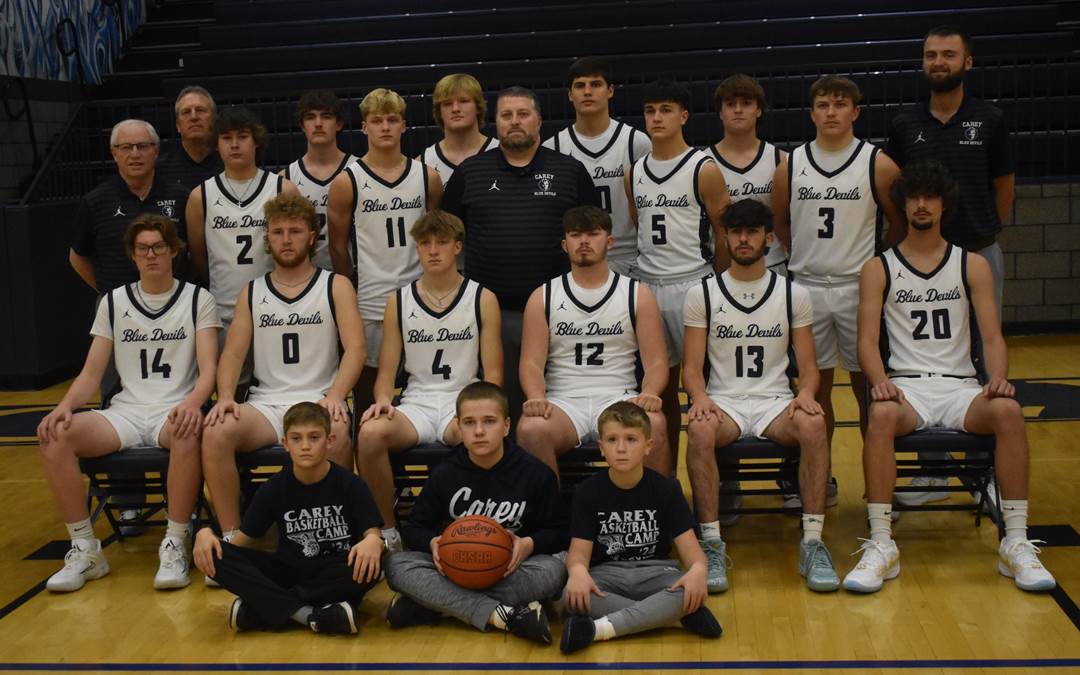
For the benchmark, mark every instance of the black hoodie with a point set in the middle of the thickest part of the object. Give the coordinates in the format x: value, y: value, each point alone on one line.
x: 520, y: 492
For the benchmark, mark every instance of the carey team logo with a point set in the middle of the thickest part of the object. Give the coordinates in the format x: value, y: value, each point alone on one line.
x: 168, y: 211
x: 544, y: 184
x: 972, y: 133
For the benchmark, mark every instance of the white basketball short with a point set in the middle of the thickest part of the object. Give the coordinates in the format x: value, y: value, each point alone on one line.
x: 137, y: 425
x: 584, y: 411
x: 373, y: 331
x: 670, y: 298
x: 752, y: 414
x: 836, y: 314
x: 939, y: 402
x: 274, y: 414
x: 429, y: 413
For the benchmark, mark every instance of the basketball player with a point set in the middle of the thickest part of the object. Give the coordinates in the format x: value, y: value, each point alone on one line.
x: 676, y: 194
x: 606, y: 147
x: 322, y: 117
x: 443, y: 331
x: 746, y: 322
x: 583, y: 332
x: 225, y: 213
x: 490, y: 476
x: 826, y: 199
x: 162, y: 335
x: 747, y: 162
x: 372, y: 204
x: 292, y: 319
x: 459, y: 108
x: 922, y: 293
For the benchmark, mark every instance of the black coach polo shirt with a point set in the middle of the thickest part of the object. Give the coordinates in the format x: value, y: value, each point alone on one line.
x: 178, y: 166
x: 103, y: 216
x: 974, y: 145
x: 513, y: 218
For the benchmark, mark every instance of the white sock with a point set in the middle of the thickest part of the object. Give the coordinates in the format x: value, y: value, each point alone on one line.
x: 604, y: 629
x: 228, y: 535
x: 81, y: 529
x: 391, y: 535
x: 176, y: 530
x: 812, y: 525
x: 1015, y: 512
x: 496, y: 618
x: 710, y: 530
x: 302, y: 615
x: 880, y: 522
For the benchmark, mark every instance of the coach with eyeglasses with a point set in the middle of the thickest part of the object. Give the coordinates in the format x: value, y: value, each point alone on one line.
x: 97, y: 250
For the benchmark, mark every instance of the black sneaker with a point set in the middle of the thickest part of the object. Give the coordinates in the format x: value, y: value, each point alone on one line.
x: 336, y: 619
x: 404, y: 612
x: 529, y: 622
x: 241, y: 618
x: 578, y: 632
x: 703, y: 623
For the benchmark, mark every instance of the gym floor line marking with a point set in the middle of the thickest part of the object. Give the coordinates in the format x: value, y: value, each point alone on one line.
x: 38, y: 588
x: 533, y: 666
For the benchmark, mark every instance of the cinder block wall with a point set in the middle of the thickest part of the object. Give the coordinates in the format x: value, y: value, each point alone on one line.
x: 1042, y: 255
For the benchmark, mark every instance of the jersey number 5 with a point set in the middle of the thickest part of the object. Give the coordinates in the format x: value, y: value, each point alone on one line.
x: 659, y: 229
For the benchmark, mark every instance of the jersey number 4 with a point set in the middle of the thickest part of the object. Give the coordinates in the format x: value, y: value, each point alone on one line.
x: 155, y: 366
x: 438, y: 367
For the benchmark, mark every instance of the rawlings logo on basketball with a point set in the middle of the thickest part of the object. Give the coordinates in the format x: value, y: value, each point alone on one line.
x: 473, y: 528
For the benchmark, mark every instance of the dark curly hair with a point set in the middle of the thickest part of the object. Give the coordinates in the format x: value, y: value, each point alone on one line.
x: 926, y: 178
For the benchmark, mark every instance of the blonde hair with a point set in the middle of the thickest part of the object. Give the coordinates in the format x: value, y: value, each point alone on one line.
x: 438, y: 223
x: 382, y: 101
x: 296, y: 207
x: 459, y: 83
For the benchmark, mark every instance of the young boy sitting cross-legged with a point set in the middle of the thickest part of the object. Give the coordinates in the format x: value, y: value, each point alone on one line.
x: 329, y: 550
x: 624, y: 521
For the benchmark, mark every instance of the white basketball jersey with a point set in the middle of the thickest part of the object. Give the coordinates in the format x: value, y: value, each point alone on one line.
x: 433, y: 156
x: 606, y: 159
x: 316, y: 192
x: 295, y: 341
x: 235, y: 234
x: 441, y: 349
x: 754, y: 181
x: 674, y: 234
x: 927, y: 317
x: 154, y: 352
x: 749, y: 346
x: 834, y: 214
x: 592, y: 350
x: 383, y: 214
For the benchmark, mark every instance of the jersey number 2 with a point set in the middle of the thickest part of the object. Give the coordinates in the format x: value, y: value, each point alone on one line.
x: 244, y: 241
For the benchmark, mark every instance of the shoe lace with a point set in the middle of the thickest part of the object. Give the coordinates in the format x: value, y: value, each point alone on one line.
x: 873, y: 554
x: 718, y: 555
x: 75, y: 558
x: 172, y: 555
x: 819, y: 557
x: 1024, y: 552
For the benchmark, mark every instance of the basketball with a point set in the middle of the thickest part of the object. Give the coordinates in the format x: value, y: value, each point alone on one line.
x: 475, y: 552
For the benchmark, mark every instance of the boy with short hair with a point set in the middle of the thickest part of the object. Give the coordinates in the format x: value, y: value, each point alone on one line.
x: 329, y: 549
x: 487, y: 476
x: 624, y: 522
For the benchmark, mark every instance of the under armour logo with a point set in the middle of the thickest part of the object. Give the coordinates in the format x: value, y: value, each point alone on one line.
x: 919, y: 138
x: 803, y: 172
x: 264, y: 302
x: 562, y: 307
x: 748, y: 296
x: 119, y: 212
x: 899, y: 274
x: 412, y: 314
x: 127, y: 315
x: 494, y: 186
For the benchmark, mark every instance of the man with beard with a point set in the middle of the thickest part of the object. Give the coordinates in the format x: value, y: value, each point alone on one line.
x: 512, y: 203
x: 751, y: 323
x: 968, y: 136
x: 920, y: 296
x: 583, y: 333
x: 292, y: 318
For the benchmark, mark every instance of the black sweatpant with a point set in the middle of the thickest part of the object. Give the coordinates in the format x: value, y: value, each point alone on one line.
x: 274, y: 589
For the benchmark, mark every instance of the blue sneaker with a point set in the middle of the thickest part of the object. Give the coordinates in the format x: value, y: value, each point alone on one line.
x: 718, y: 562
x: 816, y: 565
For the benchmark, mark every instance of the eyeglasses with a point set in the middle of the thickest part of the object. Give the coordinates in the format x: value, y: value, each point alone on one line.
x: 160, y: 248
x: 127, y: 148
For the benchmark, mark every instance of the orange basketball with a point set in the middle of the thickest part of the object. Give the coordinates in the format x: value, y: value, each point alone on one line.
x: 475, y: 552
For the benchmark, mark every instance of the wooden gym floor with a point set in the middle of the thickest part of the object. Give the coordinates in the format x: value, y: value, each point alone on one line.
x: 949, y: 610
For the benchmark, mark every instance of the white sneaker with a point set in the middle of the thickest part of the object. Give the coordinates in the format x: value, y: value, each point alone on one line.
x: 832, y: 496
x: 991, y: 493
x: 173, y: 568
x: 83, y: 562
x: 926, y: 496
x: 1019, y: 560
x: 878, y: 563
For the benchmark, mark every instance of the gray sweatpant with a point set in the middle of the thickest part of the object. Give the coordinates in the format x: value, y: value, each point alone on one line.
x: 413, y: 573
x: 636, y: 597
